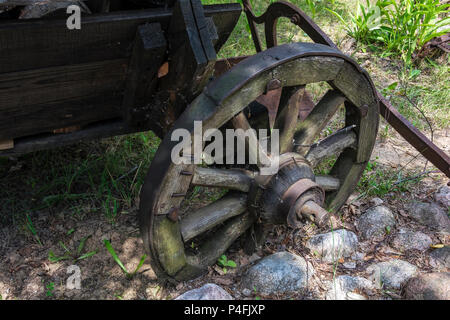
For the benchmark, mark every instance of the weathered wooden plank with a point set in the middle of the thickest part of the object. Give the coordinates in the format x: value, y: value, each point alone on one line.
x: 206, y: 218
x: 48, y: 117
x: 219, y: 242
x: 148, y: 55
x: 18, y: 90
x: 290, y: 108
x: 309, y: 129
x: 48, y: 141
x: 357, y: 89
x: 331, y: 146
x: 168, y: 245
x: 38, y: 101
x: 256, y: 152
x: 328, y: 183
x: 44, y: 43
x: 222, y: 178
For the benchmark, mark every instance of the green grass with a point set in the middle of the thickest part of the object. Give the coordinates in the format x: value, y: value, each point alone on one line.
x: 113, y: 253
x: 100, y: 177
x: 399, y: 28
x: 379, y: 181
x: 75, y: 255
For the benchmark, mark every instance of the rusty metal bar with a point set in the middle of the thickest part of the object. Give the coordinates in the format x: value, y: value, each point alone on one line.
x: 416, y: 138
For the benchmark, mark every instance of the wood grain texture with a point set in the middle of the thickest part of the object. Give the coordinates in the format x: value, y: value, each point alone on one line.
x: 222, y: 178
x: 328, y: 183
x: 309, y: 129
x: 169, y: 245
x: 332, y: 145
x: 48, y: 141
x: 206, y: 218
x: 360, y: 94
x: 148, y: 55
x: 219, y: 242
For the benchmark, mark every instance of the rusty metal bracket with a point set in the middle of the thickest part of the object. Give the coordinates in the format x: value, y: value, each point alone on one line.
x: 284, y: 9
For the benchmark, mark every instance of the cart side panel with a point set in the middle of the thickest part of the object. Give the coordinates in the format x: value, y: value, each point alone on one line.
x: 46, y: 99
x: 52, y: 77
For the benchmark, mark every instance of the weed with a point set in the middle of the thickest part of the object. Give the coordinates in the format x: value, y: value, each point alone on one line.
x: 30, y: 227
x: 224, y: 262
x: 255, y: 293
x: 117, y: 260
x: 362, y: 24
x: 377, y: 181
x: 50, y: 287
x: 69, y: 255
x: 401, y: 28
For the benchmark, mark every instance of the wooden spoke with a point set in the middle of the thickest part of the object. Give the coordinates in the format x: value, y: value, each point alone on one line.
x: 210, y: 216
x: 219, y: 242
x: 322, y: 113
x: 328, y: 183
x: 230, y: 179
x: 254, y: 147
x: 290, y: 102
x: 332, y: 145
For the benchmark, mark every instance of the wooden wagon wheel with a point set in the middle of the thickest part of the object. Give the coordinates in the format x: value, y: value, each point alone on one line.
x: 288, y: 195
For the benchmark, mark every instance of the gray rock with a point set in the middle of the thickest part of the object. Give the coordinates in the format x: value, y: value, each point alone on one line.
x: 440, y: 258
x: 246, y: 292
x: 391, y: 274
x: 432, y: 286
x: 429, y: 214
x: 376, y: 202
x: 349, y: 265
x: 442, y: 196
x: 375, y: 221
x: 411, y: 240
x: 332, y: 246
x: 343, y: 286
x: 278, y: 273
x: 358, y: 256
x: 355, y: 296
x: 209, y: 291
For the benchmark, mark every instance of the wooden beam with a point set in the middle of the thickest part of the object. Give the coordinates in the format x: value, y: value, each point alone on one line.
x: 48, y: 141
x: 148, y: 55
x: 222, y: 178
x: 309, y: 129
x: 220, y: 241
x: 331, y: 146
x: 328, y: 183
x: 208, y: 217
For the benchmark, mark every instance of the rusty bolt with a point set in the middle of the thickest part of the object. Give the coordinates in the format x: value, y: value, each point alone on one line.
x: 295, y: 19
x: 364, y: 110
x: 173, y: 215
x: 273, y: 85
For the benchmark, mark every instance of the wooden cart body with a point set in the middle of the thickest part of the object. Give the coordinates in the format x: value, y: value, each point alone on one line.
x: 111, y: 77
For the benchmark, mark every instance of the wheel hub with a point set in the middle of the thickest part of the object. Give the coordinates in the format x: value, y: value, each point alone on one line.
x: 289, y: 195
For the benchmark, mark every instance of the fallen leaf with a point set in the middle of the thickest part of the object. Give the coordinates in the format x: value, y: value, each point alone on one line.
x: 437, y: 246
x: 224, y: 281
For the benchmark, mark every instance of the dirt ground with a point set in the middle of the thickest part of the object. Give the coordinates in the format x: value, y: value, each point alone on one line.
x: 26, y: 271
